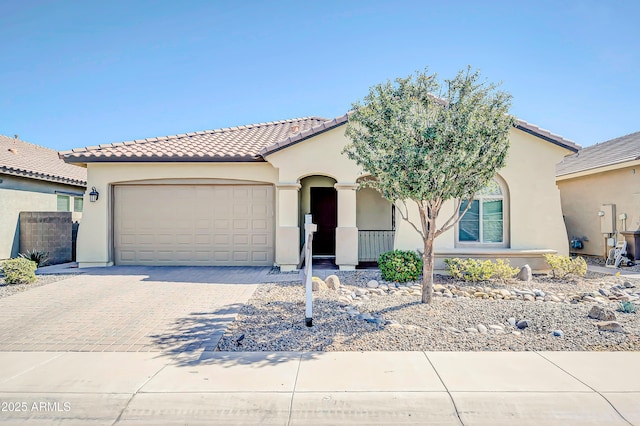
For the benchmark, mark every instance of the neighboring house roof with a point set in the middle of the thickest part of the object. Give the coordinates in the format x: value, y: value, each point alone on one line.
x: 243, y: 143
x: 613, y: 152
x: 20, y: 158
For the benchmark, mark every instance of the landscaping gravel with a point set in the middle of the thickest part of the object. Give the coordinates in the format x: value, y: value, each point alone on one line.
x: 552, y: 315
x: 10, y: 289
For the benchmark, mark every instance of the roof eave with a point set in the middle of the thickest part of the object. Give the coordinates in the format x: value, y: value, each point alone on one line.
x: 162, y: 159
x: 598, y: 169
x: 42, y: 176
x: 559, y: 141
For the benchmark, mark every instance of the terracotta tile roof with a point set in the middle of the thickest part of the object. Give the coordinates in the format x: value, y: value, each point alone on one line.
x: 338, y: 121
x: 615, y: 151
x: 234, y: 144
x: 242, y: 143
x: 305, y: 134
x: 20, y: 158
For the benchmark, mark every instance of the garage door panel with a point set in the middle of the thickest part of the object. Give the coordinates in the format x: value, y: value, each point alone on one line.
x: 194, y: 224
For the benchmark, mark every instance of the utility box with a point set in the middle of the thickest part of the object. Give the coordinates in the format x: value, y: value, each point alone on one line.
x: 608, y: 220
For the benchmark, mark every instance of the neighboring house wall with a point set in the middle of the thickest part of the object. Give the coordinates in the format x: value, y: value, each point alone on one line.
x: 583, y: 196
x: 26, y: 195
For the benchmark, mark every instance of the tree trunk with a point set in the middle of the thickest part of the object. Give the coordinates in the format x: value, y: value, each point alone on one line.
x: 427, y: 270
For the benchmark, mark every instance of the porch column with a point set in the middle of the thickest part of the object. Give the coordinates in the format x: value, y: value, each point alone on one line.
x: 346, y: 232
x: 288, y: 232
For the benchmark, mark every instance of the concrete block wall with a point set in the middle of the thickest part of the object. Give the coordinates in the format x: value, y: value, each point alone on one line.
x: 47, y: 231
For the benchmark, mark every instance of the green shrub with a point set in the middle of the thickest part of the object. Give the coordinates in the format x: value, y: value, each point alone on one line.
x: 627, y: 307
x: 41, y: 257
x: 563, y: 266
x: 19, y: 271
x: 400, y: 265
x: 476, y: 270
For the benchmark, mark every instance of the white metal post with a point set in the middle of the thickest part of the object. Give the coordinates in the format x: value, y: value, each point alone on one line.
x: 309, y: 229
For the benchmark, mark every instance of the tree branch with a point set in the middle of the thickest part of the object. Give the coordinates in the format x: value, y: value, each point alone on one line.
x: 406, y: 217
x: 448, y: 224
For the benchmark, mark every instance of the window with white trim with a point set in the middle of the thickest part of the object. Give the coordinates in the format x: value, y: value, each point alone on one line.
x: 484, y: 222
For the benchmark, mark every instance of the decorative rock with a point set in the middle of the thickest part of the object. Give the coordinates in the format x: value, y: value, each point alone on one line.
x: 317, y: 284
x: 512, y: 321
x: 333, y: 282
x: 373, y: 284
x: 394, y: 325
x: 602, y: 314
x: 496, y: 327
x: 525, y: 273
x: 453, y: 330
x: 522, y: 324
x: 365, y: 316
x: 471, y: 330
x: 539, y: 293
x: 344, y: 301
x: 558, y: 333
x: 383, y: 287
x: 610, y: 326
x: 516, y: 333
x: 528, y: 297
x: 482, y: 328
x: 604, y: 292
x: 438, y: 288
x: 627, y: 284
x: 361, y: 291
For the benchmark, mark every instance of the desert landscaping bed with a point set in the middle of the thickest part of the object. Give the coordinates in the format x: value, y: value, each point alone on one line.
x: 360, y: 315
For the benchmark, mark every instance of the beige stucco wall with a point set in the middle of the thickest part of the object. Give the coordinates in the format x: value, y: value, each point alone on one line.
x: 373, y: 212
x: 535, y: 214
x: 582, y: 197
x: 19, y: 194
x: 94, y: 236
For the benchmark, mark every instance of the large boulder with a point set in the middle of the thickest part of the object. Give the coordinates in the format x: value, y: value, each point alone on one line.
x: 525, y: 273
x: 602, y: 314
x: 610, y: 326
x: 333, y: 282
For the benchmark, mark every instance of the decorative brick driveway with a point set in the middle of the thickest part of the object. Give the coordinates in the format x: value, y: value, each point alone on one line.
x: 128, y: 309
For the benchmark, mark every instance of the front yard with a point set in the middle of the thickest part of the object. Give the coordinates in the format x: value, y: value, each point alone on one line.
x: 463, y: 316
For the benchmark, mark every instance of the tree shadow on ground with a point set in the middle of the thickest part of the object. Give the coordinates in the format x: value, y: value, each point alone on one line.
x: 193, y: 340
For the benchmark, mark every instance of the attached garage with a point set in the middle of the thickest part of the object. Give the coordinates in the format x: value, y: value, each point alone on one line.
x: 208, y: 225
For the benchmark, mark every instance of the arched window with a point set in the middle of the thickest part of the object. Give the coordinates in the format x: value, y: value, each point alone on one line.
x: 486, y: 220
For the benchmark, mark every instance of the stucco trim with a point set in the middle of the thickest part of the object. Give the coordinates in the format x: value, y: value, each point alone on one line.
x: 345, y: 186
x: 289, y: 185
x: 602, y: 169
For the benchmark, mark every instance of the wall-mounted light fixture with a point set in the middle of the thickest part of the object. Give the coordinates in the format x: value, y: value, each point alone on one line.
x: 600, y: 213
x: 93, y: 195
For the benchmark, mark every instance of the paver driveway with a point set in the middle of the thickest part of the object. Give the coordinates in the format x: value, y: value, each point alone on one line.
x: 158, y: 309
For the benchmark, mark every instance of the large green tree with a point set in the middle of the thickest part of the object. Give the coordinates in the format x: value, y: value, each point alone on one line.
x: 427, y: 142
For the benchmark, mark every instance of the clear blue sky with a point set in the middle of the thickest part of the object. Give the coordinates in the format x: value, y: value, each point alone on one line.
x: 78, y: 73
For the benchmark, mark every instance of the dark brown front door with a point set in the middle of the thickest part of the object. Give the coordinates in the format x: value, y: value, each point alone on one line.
x: 324, y: 202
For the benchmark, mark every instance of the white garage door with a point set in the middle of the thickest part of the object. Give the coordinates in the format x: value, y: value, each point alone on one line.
x: 220, y: 225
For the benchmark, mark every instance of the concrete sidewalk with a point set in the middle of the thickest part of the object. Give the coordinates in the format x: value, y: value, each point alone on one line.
x: 337, y: 388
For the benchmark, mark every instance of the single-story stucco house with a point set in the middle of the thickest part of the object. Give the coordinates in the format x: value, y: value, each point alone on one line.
x: 238, y: 196
x: 600, y: 192
x: 34, y: 179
